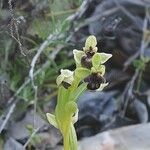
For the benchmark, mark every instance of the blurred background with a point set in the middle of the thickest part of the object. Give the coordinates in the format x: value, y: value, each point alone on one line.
x: 36, y: 41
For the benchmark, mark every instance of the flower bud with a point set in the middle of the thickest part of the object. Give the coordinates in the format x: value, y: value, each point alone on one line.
x: 65, y: 78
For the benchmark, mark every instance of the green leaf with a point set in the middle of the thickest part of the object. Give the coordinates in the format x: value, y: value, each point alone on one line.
x: 141, y: 63
x: 73, y: 138
x: 79, y: 91
x: 52, y: 120
x: 82, y: 72
x: 71, y: 108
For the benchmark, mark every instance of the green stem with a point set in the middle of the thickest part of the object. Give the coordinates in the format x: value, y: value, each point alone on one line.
x: 66, y: 141
x: 70, y: 139
x: 73, y: 138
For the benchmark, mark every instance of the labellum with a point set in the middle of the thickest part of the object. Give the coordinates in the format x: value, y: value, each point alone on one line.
x: 94, y: 81
x: 86, y: 61
x: 66, y: 85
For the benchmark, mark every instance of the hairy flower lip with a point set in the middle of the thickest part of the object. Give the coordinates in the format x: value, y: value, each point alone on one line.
x: 86, y: 62
x: 94, y: 81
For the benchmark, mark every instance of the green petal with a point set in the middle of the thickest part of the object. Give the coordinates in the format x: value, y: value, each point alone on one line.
x: 77, y: 56
x: 96, y: 60
x: 102, y: 86
x: 104, y: 57
x: 101, y: 69
x: 91, y: 42
x: 52, y: 120
x: 82, y: 72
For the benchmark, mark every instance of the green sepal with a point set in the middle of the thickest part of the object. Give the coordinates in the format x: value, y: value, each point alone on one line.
x: 91, y: 42
x: 104, y: 57
x: 77, y: 56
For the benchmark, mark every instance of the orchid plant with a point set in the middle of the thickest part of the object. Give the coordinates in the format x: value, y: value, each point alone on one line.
x: 89, y: 74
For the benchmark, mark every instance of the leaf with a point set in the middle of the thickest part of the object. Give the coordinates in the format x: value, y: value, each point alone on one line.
x: 52, y: 120
x: 82, y: 72
x: 71, y: 108
x: 79, y: 91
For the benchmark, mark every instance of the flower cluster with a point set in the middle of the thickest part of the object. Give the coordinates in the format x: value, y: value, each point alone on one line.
x: 89, y: 67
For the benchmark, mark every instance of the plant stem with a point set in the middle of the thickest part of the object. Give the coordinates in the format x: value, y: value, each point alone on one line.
x: 139, y: 81
x: 66, y: 141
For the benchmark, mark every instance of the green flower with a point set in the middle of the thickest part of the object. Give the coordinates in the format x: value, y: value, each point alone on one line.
x: 96, y: 60
x: 65, y: 78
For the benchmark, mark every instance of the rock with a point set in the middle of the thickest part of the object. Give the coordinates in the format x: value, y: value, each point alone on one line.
x: 18, y: 130
x: 96, y: 110
x: 11, y: 144
x: 49, y: 139
x: 141, y: 111
x: 134, y: 137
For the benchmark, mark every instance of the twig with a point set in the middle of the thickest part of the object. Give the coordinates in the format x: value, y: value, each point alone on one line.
x: 130, y: 60
x: 30, y: 138
x: 128, y: 93
x: 130, y: 86
x: 128, y: 14
x: 13, y: 22
x: 143, y: 45
x: 11, y: 110
x: 96, y: 17
x: 81, y: 10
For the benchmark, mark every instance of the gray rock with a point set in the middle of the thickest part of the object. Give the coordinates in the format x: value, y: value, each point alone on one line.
x: 11, y: 144
x: 134, y: 137
x: 19, y: 130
